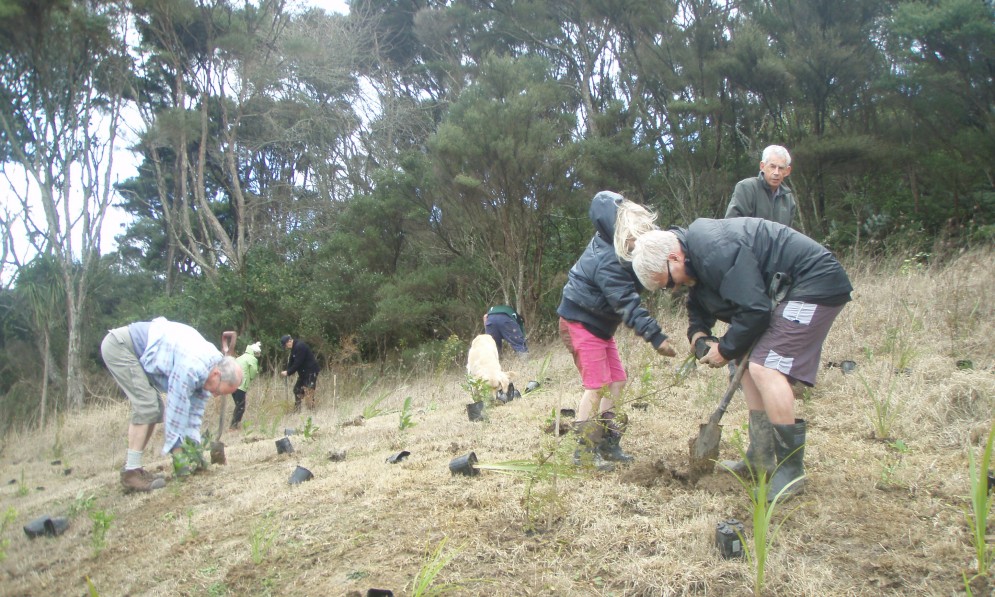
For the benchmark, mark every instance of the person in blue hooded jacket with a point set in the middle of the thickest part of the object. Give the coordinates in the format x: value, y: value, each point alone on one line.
x: 601, y: 293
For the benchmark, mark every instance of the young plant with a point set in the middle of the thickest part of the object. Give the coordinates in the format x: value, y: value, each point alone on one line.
x: 891, y: 463
x: 542, y: 497
x: 405, y: 421
x: 310, y: 429
x: 190, y: 458
x: 884, y: 407
x: 101, y: 524
x: 424, y: 584
x: 479, y: 389
x: 82, y: 503
x: 977, y: 516
x: 261, y: 538
x: 373, y: 408
x: 22, y: 487
x: 8, y: 518
x: 764, y: 529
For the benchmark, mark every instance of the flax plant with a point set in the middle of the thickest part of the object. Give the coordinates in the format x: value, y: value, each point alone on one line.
x: 765, y: 530
x: 977, y: 516
x: 424, y: 583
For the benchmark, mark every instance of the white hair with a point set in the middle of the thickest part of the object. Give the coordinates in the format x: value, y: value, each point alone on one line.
x: 776, y: 151
x: 649, y: 257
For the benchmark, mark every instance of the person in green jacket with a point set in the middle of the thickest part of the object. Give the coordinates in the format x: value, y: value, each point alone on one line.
x: 765, y: 195
x: 250, y: 368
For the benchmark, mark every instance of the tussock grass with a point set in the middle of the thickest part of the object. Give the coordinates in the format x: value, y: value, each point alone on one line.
x: 643, y: 530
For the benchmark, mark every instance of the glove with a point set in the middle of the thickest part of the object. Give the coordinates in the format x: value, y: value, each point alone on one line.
x: 666, y: 350
x: 701, y: 347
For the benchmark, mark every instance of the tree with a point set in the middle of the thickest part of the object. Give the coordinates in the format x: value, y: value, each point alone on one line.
x: 61, y: 96
x: 499, y: 168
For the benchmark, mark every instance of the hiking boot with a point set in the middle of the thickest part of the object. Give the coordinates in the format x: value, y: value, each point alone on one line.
x: 589, y: 435
x: 139, y: 480
x: 614, y: 427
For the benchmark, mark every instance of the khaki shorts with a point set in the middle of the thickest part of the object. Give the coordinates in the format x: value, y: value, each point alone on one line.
x: 119, y: 356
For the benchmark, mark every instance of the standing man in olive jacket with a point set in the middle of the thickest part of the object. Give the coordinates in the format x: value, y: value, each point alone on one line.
x: 765, y: 195
x: 303, y: 363
x: 732, y: 267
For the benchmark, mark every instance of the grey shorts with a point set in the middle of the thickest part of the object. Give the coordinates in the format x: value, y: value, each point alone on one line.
x: 793, y: 342
x: 119, y: 356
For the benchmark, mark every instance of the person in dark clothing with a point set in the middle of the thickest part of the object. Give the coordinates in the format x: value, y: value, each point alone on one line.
x: 502, y: 322
x: 733, y: 268
x: 303, y: 363
x: 762, y: 196
x: 601, y: 293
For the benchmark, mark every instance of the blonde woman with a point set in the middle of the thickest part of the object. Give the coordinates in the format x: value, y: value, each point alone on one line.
x: 601, y: 293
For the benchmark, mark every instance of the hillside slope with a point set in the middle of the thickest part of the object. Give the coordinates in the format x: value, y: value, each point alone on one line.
x: 881, y: 515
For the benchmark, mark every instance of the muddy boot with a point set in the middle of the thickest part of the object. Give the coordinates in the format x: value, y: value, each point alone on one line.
x: 589, y: 435
x: 615, y: 426
x: 760, y: 453
x: 789, y: 447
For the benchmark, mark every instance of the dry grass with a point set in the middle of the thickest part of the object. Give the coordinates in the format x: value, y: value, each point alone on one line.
x: 874, y: 520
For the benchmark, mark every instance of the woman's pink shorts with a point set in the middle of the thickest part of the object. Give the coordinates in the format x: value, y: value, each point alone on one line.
x: 596, y: 359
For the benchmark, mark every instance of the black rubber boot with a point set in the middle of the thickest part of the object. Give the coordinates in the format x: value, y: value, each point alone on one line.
x: 760, y: 457
x: 789, y: 446
x: 589, y: 435
x: 614, y: 427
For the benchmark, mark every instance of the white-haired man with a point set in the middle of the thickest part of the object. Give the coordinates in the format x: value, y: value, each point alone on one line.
x: 149, y: 357
x: 765, y: 195
x: 735, y: 268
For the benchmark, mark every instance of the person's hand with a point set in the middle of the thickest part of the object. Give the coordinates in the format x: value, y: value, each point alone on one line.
x: 714, y: 358
x: 666, y: 349
x: 702, y: 344
x: 283, y: 373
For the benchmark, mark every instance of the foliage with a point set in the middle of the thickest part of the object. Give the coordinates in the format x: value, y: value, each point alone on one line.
x: 190, y: 458
x: 542, y: 497
x: 82, y: 503
x: 9, y: 515
x: 762, y: 512
x: 980, y: 505
x: 479, y: 389
x: 310, y: 429
x: 405, y: 415
x: 101, y: 524
x: 424, y: 583
x: 272, y: 196
x: 261, y: 537
x: 372, y: 409
x: 884, y: 405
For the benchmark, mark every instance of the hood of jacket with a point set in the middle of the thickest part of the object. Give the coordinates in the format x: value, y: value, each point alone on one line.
x: 604, y: 214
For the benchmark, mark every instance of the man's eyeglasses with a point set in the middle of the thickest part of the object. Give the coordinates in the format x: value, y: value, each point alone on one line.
x: 670, y: 278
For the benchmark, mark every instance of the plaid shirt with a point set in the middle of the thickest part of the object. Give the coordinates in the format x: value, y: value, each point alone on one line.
x: 178, y: 360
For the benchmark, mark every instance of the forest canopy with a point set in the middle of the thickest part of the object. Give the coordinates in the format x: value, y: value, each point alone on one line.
x: 373, y: 181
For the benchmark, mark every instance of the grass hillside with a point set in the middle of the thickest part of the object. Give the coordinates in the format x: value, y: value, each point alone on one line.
x: 888, y: 458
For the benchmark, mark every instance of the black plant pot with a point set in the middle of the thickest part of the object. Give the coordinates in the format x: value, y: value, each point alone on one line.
x: 46, y: 525
x: 464, y: 465
x: 475, y: 411
x: 398, y: 457
x: 283, y: 446
x: 300, y: 475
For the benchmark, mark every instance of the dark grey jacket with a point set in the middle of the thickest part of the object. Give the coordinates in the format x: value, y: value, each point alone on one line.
x: 601, y: 292
x: 734, y: 261
x: 752, y: 199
